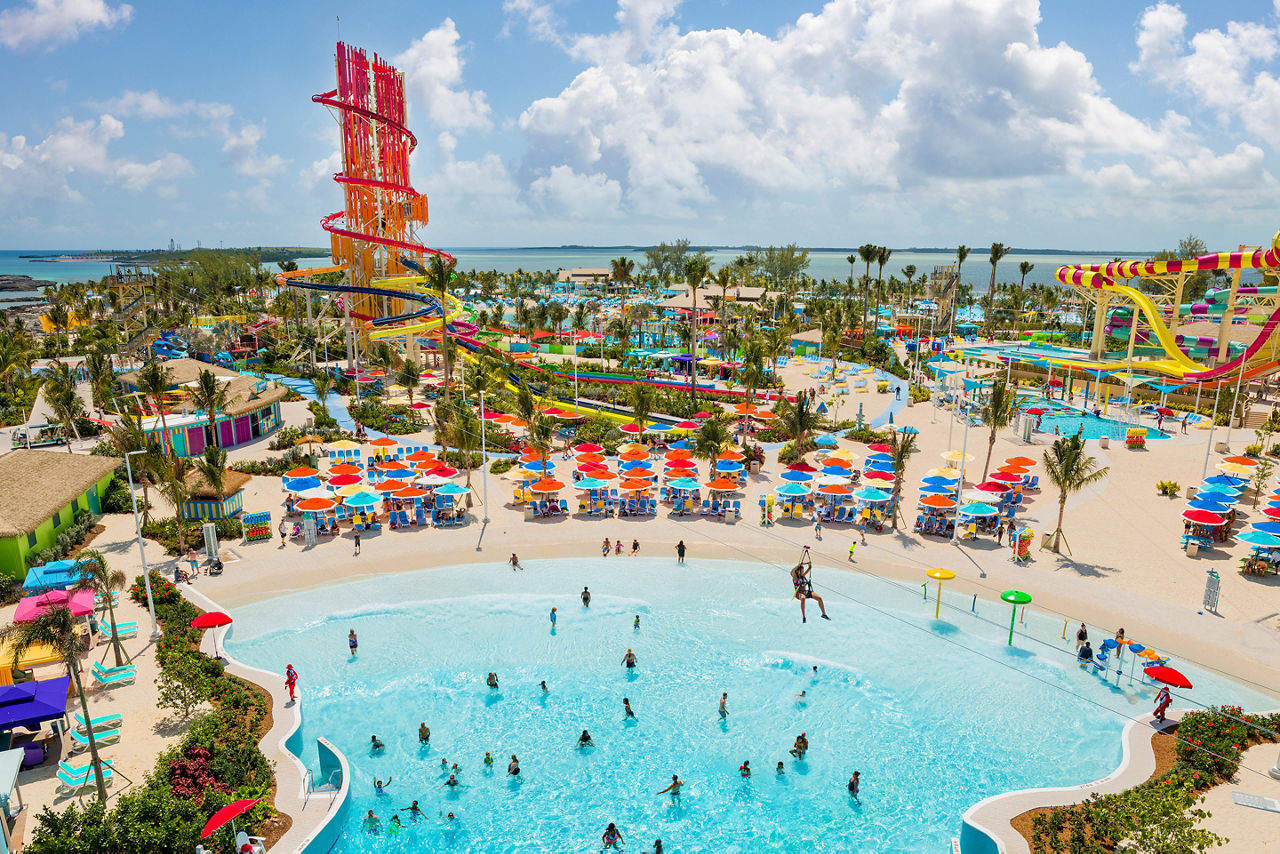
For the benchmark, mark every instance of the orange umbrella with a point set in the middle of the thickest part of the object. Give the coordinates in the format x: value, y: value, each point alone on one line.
x: 410, y: 492
x: 1019, y: 461
x: 940, y: 501
x: 516, y: 422
x: 679, y: 455
x: 547, y: 486
x: 590, y: 458
x: 392, y: 465
x: 766, y: 415
x: 1014, y: 469
x: 835, y: 489
x: 836, y: 462
x: 746, y: 409
x: 316, y: 504
x: 635, y: 484
x: 731, y: 456
x: 1240, y: 461
x: 644, y: 471
x: 722, y: 484
x: 600, y: 474
x: 634, y: 455
x: 344, y: 468
x: 530, y: 457
x: 384, y: 442
x: 301, y: 471
x: 420, y: 456
x: 391, y: 485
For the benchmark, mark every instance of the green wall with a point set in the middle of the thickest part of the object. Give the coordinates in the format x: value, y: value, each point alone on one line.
x: 14, y: 550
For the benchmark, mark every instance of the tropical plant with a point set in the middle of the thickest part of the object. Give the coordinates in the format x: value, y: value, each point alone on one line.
x: 883, y: 253
x: 901, y: 446
x: 998, y: 411
x: 407, y: 376
x: 102, y: 377
x: 1070, y: 469
x: 59, y: 629
x: 709, y: 440
x: 695, y: 273
x: 962, y: 253
x: 641, y: 399
x: 440, y: 276
x: 542, y: 433
x: 751, y: 372
x: 103, y: 581
x: 323, y: 381
x: 620, y: 270
x: 210, y: 395
x: 154, y: 379
x: 171, y: 473
x: 799, y: 419
x: 868, y: 253
x: 61, y: 395
x: 998, y: 251
x: 212, y: 466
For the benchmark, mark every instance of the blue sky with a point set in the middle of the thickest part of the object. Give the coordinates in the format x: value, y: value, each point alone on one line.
x: 1086, y: 125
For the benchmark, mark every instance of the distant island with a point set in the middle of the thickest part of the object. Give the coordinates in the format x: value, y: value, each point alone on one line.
x: 266, y: 254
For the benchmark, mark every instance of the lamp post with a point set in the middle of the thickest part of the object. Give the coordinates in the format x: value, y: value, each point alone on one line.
x: 156, y: 634
x: 1235, y: 400
x: 964, y: 454
x: 484, y: 480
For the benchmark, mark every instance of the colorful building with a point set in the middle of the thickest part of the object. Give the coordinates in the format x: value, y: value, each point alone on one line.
x: 252, y: 411
x: 42, y: 493
x: 205, y: 503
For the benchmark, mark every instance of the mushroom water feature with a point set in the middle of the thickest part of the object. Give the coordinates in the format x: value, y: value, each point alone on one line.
x: 939, y: 574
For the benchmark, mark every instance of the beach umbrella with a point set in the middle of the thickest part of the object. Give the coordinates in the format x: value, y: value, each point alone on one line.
x: 1224, y: 490
x: 939, y: 574
x: 936, y: 490
x: 836, y: 471
x: 702, y: 416
x: 557, y: 412
x: 1247, y: 462
x: 1234, y: 468
x: 452, y: 489
x: 420, y: 456
x: 797, y: 476
x: 301, y: 484
x: 539, y: 465
x: 875, y: 474
x: 880, y: 448
x: 976, y: 495
x: 746, y: 408
x: 938, y: 502
x: 344, y: 445
x: 632, y: 429
x: 546, y: 486
x: 681, y: 464
x: 1167, y: 675
x: 361, y: 499
x: 1267, y: 526
x: 657, y: 428
x: 635, y: 485
x: 826, y: 440
x: 391, y: 465
x: 793, y: 489
x: 1014, y: 470
x: 1164, y: 410
x: 410, y: 492
x: 344, y: 480
x: 684, y: 483
x: 383, y: 442
x: 867, y: 493
x: 390, y: 485
x: 318, y: 492
x: 312, y: 505
x: 879, y: 457
x: 1217, y: 497
x: 588, y: 448
x: 493, y: 415
x: 678, y: 455
x: 831, y: 478
x: 211, y: 620
x: 1209, y: 507
x: 722, y: 484
x: 945, y: 471
x: 801, y: 466
x: 730, y: 455
x: 910, y: 431
x: 418, y: 404
x: 449, y: 471
x: 1020, y: 461
x: 300, y: 472
x: 633, y: 464
x: 957, y: 456
x: 1004, y: 477
x: 350, y: 489
x: 228, y: 813
x: 728, y: 465
x: 591, y: 483
x: 878, y: 465
x: 848, y: 454
x: 1260, y: 539
x: 1037, y: 410
x: 978, y: 508
x: 344, y: 468
x: 1015, y: 598
x: 685, y: 425
x: 512, y: 474
x: 643, y: 472
x: 992, y: 486
x: 1225, y: 480
x: 79, y: 602
x: 835, y: 490
x: 1202, y: 517
x: 681, y: 445
x: 600, y: 474
x: 629, y: 456
x: 939, y: 480
x: 589, y: 458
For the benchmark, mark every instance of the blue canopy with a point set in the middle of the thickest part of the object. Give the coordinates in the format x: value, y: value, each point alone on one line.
x: 302, y: 484
x: 880, y: 456
x: 939, y: 480
x: 826, y: 440
x: 1268, y: 527
x: 837, y: 471
x: 29, y: 704
x: 937, y: 490
x: 54, y: 575
x: 910, y: 431
x: 728, y: 465
x: 628, y: 465
x: 870, y: 493
x: 1260, y: 539
x: 590, y: 483
x: 1224, y: 480
x: 1216, y: 497
x: 538, y: 465
x: 797, y: 476
x: 878, y: 465
x: 1220, y: 509
x: 1233, y: 491
x: 682, y: 445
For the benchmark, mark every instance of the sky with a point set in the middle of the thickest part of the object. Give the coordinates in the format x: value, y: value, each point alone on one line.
x: 1089, y: 125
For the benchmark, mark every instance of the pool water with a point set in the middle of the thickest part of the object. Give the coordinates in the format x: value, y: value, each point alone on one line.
x: 936, y: 715
x: 1067, y: 420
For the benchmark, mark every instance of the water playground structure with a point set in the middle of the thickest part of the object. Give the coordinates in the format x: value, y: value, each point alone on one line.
x: 1227, y: 336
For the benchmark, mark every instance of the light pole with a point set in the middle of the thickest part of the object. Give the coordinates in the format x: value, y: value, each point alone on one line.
x: 1235, y: 401
x: 484, y: 474
x: 964, y: 454
x: 156, y: 634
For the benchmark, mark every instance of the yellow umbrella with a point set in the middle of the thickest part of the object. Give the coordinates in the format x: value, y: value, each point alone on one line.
x: 945, y: 471
x: 516, y: 473
x: 843, y: 454
x: 351, y: 489
x: 1234, y: 468
x: 41, y: 653
x: 957, y: 456
x: 344, y: 445
x: 632, y: 446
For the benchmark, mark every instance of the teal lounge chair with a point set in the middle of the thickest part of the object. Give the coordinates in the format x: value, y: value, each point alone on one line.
x: 111, y: 671
x: 100, y: 738
x: 68, y: 783
x: 106, y: 680
x: 83, y: 771
x: 104, y: 722
x: 123, y: 630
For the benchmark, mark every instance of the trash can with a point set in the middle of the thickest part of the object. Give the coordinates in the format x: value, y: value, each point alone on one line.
x: 1192, y: 491
x: 1104, y: 442
x: 528, y: 513
x: 1193, y: 549
x: 755, y: 467
x: 1046, y: 541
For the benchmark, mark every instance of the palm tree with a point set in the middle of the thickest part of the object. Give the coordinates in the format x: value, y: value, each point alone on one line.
x: 622, y: 329
x: 172, y: 482
x: 695, y: 272
x: 776, y: 341
x: 408, y: 377
x: 998, y: 251
x: 1025, y: 267
x: 442, y: 426
x: 962, y: 252
x: 323, y: 381
x: 58, y: 629
x: 103, y: 582
x: 901, y: 446
x: 998, y: 411
x: 15, y: 360
x: 641, y: 403
x: 867, y: 253
x: 102, y: 377
x: 542, y: 433
x: 60, y: 393
x: 832, y: 335
x: 620, y: 271
x: 1069, y: 468
x: 440, y: 275
x: 852, y: 259
x: 212, y: 466
x: 799, y: 419
x: 154, y: 380
x: 210, y: 395
x: 751, y: 372
x: 724, y: 278
x: 883, y: 253
x: 710, y: 439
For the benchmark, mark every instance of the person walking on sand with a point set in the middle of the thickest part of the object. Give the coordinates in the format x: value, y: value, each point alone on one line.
x: 617, y: 549
x: 352, y: 643
x: 282, y: 533
x: 635, y: 547
x: 851, y: 546
x: 817, y: 526
x: 680, y: 552
x: 605, y: 548
x: 355, y: 533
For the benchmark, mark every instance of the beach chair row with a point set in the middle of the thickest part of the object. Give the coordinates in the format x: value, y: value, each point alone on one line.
x: 721, y: 509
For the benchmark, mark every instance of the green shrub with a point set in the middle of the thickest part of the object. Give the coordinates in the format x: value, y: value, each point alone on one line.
x: 165, y: 531
x: 503, y: 465
x: 1168, y: 487
x: 919, y: 394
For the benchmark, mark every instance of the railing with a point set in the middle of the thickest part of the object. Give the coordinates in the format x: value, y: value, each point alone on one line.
x: 144, y: 337
x: 129, y: 310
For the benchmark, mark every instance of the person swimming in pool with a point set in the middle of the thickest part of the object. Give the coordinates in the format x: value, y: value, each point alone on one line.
x: 514, y: 767
x: 543, y: 684
x: 371, y: 823
x: 488, y: 759
x: 353, y: 643
x: 801, y: 746
x: 379, y: 786
x: 584, y: 740
x: 781, y: 769
x: 612, y: 836
x: 745, y: 768
x: 629, y: 659
x: 586, y: 598
x: 854, y: 782
x: 414, y: 811
x: 424, y: 733
x: 452, y: 782
x: 626, y: 708
x: 724, y: 699
x: 374, y: 744
x: 674, y: 788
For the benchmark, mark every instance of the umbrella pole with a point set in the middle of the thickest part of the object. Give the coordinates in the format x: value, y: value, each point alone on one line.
x: 1013, y: 618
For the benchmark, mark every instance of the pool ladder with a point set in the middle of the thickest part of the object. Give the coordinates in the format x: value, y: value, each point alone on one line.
x: 331, y: 786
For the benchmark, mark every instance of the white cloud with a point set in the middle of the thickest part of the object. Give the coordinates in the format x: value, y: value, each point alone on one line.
x: 39, y: 22
x: 242, y: 152
x: 564, y: 191
x: 433, y: 71
x: 147, y: 105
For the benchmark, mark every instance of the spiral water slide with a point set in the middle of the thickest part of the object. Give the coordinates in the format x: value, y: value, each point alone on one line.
x: 1259, y: 357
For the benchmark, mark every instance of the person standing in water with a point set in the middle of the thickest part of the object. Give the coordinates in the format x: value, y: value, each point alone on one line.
x: 635, y: 626
x: 352, y: 643
x: 680, y: 552
x: 424, y: 733
x: 724, y: 698
x: 629, y: 659
x: 673, y: 788
x: 626, y: 708
x: 553, y: 616
x: 514, y: 767
x: 1082, y: 637
x: 515, y: 562
x: 612, y: 836
x: 586, y: 598
x: 853, y: 786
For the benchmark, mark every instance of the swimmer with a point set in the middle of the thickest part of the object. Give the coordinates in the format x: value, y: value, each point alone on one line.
x: 584, y: 740
x: 801, y: 746
x: 514, y: 768
x: 515, y: 562
x: 553, y: 617
x: 488, y: 759
x: 781, y: 770
x: 802, y: 698
x: 352, y: 642
x: 414, y: 812
x: 853, y: 785
x: 605, y: 548
x: 543, y: 685
x: 636, y: 624
x: 492, y: 681
x: 378, y: 785
x: 724, y: 698
x: 674, y: 788
x: 456, y: 769
x: 451, y: 817
x: 803, y: 586
x: 657, y: 846
x: 745, y: 768
x: 394, y: 825
x: 452, y: 782
x: 374, y: 744
x: 444, y: 765
x: 424, y: 733
x: 612, y: 836
x: 626, y: 708
x: 371, y: 823
x: 629, y: 659
x: 586, y: 598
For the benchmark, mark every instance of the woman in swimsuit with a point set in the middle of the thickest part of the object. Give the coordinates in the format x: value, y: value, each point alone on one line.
x: 514, y: 768
x: 612, y: 836
x: 629, y: 659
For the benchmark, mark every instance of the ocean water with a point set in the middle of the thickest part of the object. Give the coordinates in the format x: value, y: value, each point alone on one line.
x: 936, y: 715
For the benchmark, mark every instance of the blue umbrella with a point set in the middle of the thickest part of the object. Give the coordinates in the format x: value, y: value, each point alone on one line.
x: 880, y: 456
x: 728, y: 465
x: 1260, y: 539
x: 684, y: 483
x: 793, y: 489
x: 302, y: 484
x: 682, y: 445
x: 658, y: 428
x: 797, y: 476
x: 878, y: 465
x: 1220, y: 509
x: 1216, y: 497
x: 910, y: 431
x: 838, y: 472
x: 870, y: 493
x: 1220, y: 487
x: 939, y: 480
x: 1224, y: 480
x: 361, y: 499
x: 627, y: 465
x: 978, y: 508
x: 538, y: 465
x: 1268, y: 527
x: 936, y: 490
x: 826, y: 440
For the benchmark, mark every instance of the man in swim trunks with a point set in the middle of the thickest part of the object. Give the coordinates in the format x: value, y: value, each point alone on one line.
x: 371, y: 824
x: 515, y: 562
x: 553, y: 616
x: 584, y: 740
x: 413, y: 811
x: 724, y: 698
x: 853, y: 785
x: 680, y: 552
x: 635, y: 547
x: 674, y: 788
x: 424, y: 733
x: 492, y: 681
x: 586, y: 598
x: 605, y: 548
x: 514, y: 767
x: 452, y: 782
x: 745, y: 768
x: 374, y: 743
x: 352, y: 643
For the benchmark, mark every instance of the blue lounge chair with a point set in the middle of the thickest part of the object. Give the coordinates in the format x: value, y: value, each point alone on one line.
x: 100, y: 737
x: 123, y: 631
x: 564, y: 507
x: 104, y: 722
x: 653, y: 507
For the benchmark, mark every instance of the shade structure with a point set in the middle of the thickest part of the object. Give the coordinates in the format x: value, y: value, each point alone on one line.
x: 1268, y: 526
x: 722, y: 484
x: 1217, y: 497
x: 54, y: 575
x: 627, y: 465
x: 343, y: 469
x: 300, y: 471
x: 681, y: 445
x: 344, y: 480
x: 344, y: 445
x: 797, y: 476
x: 79, y: 603
x: 519, y: 474
x: 1018, y: 470
x: 302, y: 484
x: 641, y: 473
x: 557, y: 412
x: 1247, y: 462
x: 1260, y: 539
x: 1203, y: 517
x: 29, y: 704
x: 945, y: 471
x: 939, y: 502
x: 1234, y: 468
x: 632, y: 429
x: 1167, y: 675
x: 801, y: 466
x: 211, y: 620
x: 634, y: 454
x: 629, y: 447
x: 936, y: 490
x: 685, y: 425
x: 728, y: 465
x: 702, y: 416
x: 588, y: 448
x: 231, y: 811
x: 633, y: 484
x: 1020, y: 461
x: 793, y: 489
x: 878, y: 465
x: 678, y: 455
x: 590, y: 458
x: 869, y: 493
x: 880, y: 448
x: 586, y: 467
x: 410, y: 492
x: 939, y: 480
x: 1233, y: 491
x: 539, y: 465
x: 350, y: 490
x: 599, y: 473
x: 746, y: 408
x: 1209, y: 507
x: 835, y: 490
x: 452, y: 489
x: 976, y: 495
x: 361, y: 499
x: 591, y: 483
x: 977, y: 508
x: 418, y: 404
x: 884, y: 476
x: 546, y: 486
x: 684, y: 484
x: 1037, y: 410
x: 730, y: 455
x: 910, y: 431
x: 681, y: 464
x: 391, y: 485
x: 315, y: 505
x: 826, y: 440
x: 1004, y: 477
x: 384, y: 442
x: 957, y: 456
x: 845, y: 453
x: 1164, y: 410
x: 992, y: 486
x: 836, y: 471
x: 420, y: 456
x: 391, y: 465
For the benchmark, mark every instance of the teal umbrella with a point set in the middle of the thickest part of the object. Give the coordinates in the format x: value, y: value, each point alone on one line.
x: 361, y: 499
x: 978, y: 508
x: 684, y: 483
x: 452, y: 489
x: 1260, y: 539
x: 826, y: 440
x: 590, y: 483
x: 793, y: 489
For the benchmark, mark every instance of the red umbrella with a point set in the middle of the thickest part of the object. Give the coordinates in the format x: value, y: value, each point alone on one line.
x: 685, y: 425
x: 880, y: 448
x: 681, y: 464
x: 230, y: 812
x: 1054, y: 382
x: 344, y: 480
x: 1273, y: 512
x: 801, y: 466
x: 1005, y: 477
x: 1164, y: 410
x: 878, y: 475
x: 633, y: 429
x: 1204, y: 517
x: 588, y: 448
x: 702, y: 415
x: 1168, y: 676
x: 211, y: 620
x: 1036, y: 410
x: 992, y: 486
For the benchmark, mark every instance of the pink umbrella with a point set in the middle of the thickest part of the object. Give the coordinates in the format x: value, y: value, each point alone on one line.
x: 681, y: 464
x: 685, y: 425
x: 633, y: 429
x: 344, y: 480
x: 1005, y: 477
x: 79, y: 603
x: 992, y: 486
x: 875, y: 474
x: 702, y: 416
